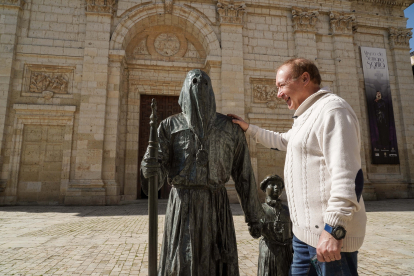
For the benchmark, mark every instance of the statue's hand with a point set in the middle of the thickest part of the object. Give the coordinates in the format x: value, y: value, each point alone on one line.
x: 150, y: 167
x: 255, y: 229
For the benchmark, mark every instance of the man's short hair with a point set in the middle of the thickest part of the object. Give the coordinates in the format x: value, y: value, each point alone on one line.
x: 302, y: 65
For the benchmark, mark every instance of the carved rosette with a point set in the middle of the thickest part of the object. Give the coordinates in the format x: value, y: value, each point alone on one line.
x: 101, y: 6
x: 168, y: 6
x: 342, y: 23
x: 167, y: 44
x: 231, y: 13
x: 304, y: 19
x: 13, y: 3
x: 265, y: 91
x: 400, y: 37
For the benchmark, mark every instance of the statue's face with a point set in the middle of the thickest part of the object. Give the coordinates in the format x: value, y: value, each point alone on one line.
x: 200, y: 83
x: 273, y: 189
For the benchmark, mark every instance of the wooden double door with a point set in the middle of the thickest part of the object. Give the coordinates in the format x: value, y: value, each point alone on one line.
x: 167, y: 106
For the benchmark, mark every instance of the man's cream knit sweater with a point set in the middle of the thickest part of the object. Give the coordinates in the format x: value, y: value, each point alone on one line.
x: 323, y: 176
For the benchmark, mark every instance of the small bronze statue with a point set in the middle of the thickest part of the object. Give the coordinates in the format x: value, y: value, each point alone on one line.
x: 275, y: 249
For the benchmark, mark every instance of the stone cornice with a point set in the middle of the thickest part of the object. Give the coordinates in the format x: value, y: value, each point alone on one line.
x: 101, y: 6
x: 342, y: 23
x: 402, y: 3
x: 304, y: 19
x: 400, y: 37
x: 13, y: 3
x: 231, y: 12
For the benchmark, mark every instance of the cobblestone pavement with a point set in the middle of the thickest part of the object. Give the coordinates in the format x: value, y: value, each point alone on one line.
x: 112, y: 240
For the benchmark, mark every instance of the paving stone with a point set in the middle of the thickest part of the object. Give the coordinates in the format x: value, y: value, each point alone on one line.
x: 112, y: 240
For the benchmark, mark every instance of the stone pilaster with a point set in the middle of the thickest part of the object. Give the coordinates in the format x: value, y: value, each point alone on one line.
x: 400, y: 49
x: 213, y: 69
x: 115, y: 129
x: 304, y: 28
x: 88, y: 186
x: 10, y: 17
x: 232, y: 79
x: 342, y: 26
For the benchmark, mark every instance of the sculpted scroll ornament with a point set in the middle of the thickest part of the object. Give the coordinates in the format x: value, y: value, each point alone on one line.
x: 231, y: 12
x: 304, y: 19
x: 342, y: 23
x: 101, y: 6
x: 400, y: 37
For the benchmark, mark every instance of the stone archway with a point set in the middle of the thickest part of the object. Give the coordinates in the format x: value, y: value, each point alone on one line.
x: 159, y: 49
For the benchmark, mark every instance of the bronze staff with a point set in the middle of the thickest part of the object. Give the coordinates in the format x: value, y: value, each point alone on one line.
x: 153, y: 196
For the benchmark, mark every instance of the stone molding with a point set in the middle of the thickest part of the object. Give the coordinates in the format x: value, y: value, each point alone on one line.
x: 398, y: 3
x: 304, y: 19
x: 168, y: 6
x: 265, y: 91
x: 13, y: 3
x: 342, y: 23
x: 101, y: 6
x: 231, y: 12
x: 400, y: 37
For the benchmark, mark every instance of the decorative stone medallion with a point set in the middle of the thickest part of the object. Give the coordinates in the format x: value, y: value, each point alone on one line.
x: 167, y: 44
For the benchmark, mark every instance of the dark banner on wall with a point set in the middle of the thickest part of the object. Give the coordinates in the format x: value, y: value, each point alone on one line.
x: 380, y: 112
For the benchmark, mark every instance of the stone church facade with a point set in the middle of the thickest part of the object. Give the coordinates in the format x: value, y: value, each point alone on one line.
x: 75, y: 74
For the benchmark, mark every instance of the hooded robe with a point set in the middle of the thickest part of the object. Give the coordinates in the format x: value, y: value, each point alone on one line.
x: 199, y: 150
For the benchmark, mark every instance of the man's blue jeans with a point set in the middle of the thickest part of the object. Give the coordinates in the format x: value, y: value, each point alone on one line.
x: 301, y: 265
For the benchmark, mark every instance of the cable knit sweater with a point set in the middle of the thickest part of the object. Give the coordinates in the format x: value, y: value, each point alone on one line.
x: 323, y: 176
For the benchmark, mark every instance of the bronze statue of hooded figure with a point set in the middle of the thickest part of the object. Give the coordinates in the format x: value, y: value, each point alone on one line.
x: 199, y: 150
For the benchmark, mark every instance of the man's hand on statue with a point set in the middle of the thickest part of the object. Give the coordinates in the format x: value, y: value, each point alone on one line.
x: 329, y: 248
x: 238, y: 120
x: 150, y: 167
x: 255, y: 229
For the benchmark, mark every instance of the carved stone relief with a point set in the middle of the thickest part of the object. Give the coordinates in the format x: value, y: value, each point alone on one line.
x: 400, y: 37
x: 167, y: 44
x: 101, y: 6
x: 191, y: 51
x: 47, y: 81
x: 304, y: 19
x: 231, y: 12
x: 141, y: 48
x: 342, y: 23
x: 265, y: 91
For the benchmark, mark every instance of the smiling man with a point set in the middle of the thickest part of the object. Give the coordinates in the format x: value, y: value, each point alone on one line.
x: 323, y: 176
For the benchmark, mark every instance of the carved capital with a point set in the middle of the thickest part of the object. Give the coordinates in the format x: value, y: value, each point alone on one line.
x: 231, y: 13
x: 168, y: 6
x: 304, y: 19
x: 342, y: 23
x: 13, y: 3
x: 101, y: 6
x: 400, y: 37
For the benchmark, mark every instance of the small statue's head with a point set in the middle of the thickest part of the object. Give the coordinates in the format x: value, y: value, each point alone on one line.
x: 378, y: 96
x: 273, y: 186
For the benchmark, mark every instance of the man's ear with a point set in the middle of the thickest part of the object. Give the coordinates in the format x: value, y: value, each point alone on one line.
x: 305, y: 78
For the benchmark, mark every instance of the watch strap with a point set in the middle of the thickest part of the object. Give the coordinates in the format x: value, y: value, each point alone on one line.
x: 328, y: 228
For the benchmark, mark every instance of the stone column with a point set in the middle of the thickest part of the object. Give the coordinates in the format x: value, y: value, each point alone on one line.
x: 10, y: 17
x: 346, y: 76
x: 88, y: 187
x: 400, y: 49
x: 304, y: 29
x: 232, y: 78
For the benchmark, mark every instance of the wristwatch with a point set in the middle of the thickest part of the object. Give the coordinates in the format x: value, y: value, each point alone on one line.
x: 338, y: 232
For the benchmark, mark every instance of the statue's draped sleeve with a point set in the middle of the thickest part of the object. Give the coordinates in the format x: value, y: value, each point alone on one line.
x: 245, y: 183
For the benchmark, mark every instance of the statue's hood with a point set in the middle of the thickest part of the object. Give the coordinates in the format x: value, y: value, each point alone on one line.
x: 197, y: 102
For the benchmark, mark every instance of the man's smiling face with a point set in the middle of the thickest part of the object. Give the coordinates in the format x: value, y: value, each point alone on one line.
x: 289, y: 89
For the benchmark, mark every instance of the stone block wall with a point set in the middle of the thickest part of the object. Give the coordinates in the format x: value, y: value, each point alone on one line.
x: 74, y: 72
